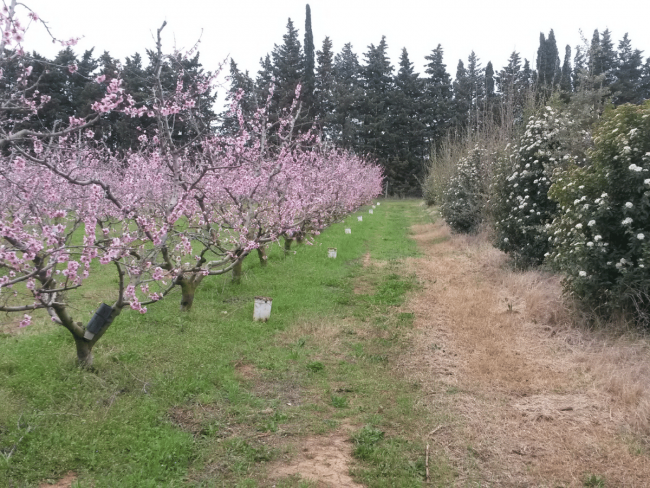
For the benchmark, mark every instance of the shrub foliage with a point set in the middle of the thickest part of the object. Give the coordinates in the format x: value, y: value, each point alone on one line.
x: 600, y: 236
x: 521, y: 206
x: 465, y: 196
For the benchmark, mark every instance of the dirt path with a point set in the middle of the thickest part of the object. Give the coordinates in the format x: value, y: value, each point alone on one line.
x: 524, y: 398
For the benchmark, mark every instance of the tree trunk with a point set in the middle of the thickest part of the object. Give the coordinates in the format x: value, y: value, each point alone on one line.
x: 84, y: 352
x: 187, y: 296
x: 261, y: 252
x: 84, y: 345
x: 188, y: 285
x: 237, y: 272
x: 287, y: 245
x: 300, y: 238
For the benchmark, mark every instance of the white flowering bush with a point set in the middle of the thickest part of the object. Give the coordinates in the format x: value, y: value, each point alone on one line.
x: 463, y: 201
x: 521, y: 206
x: 601, y: 234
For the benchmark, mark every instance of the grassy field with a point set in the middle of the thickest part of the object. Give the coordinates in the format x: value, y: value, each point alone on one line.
x: 211, y: 398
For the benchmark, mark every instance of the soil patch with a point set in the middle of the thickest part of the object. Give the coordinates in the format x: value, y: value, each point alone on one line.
x: 65, y: 482
x: 530, y: 399
x: 325, y: 460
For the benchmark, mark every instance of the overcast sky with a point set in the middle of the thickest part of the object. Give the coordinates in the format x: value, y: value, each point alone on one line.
x: 248, y: 29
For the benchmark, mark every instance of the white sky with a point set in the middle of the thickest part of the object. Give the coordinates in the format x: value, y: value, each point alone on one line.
x: 248, y: 29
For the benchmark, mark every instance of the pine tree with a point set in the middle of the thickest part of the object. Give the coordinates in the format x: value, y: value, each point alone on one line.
x: 376, y: 105
x: 240, y: 84
x: 527, y: 75
x: 438, y: 97
x: 264, y: 78
x: 627, y: 73
x: 288, y: 67
x: 407, y: 130
x: 510, y: 75
x: 514, y: 82
x: 348, y: 94
x: 607, y: 57
x: 324, y: 86
x: 645, y: 81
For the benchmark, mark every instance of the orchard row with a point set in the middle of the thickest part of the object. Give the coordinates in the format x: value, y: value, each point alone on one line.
x: 166, y: 214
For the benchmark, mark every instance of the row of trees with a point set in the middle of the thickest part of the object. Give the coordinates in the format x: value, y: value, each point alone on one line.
x: 178, y: 203
x: 360, y: 103
x: 370, y: 106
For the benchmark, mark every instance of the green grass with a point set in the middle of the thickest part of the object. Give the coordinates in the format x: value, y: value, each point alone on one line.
x: 211, y: 398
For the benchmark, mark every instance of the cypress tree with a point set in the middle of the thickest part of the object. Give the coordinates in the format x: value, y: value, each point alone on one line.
x: 462, y: 98
x: 579, y: 68
x: 548, y: 63
x: 309, y: 80
x: 476, y: 81
x: 489, y: 81
x: 565, y: 81
x: 595, y: 59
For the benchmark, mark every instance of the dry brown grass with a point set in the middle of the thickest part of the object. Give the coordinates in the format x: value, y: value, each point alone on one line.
x: 532, y: 399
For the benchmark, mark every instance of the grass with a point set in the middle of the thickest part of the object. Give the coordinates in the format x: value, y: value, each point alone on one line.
x: 211, y: 398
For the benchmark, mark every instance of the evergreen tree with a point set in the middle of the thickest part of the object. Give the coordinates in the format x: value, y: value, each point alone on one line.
x: 309, y: 77
x: 241, y: 84
x: 528, y: 76
x: 324, y: 86
x: 407, y: 130
x: 438, y: 97
x: 476, y: 81
x: 548, y: 64
x: 595, y: 58
x: 489, y: 81
x: 627, y: 74
x: 607, y: 57
x: 645, y: 81
x: 579, y: 67
x: 376, y: 105
x: 348, y: 94
x: 565, y: 81
x: 462, y: 98
x: 510, y: 75
x: 288, y: 68
x: 264, y: 78
x: 513, y: 82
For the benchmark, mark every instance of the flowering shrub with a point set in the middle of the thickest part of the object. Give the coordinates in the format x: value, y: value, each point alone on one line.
x: 601, y: 234
x: 521, y: 205
x: 464, y: 198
